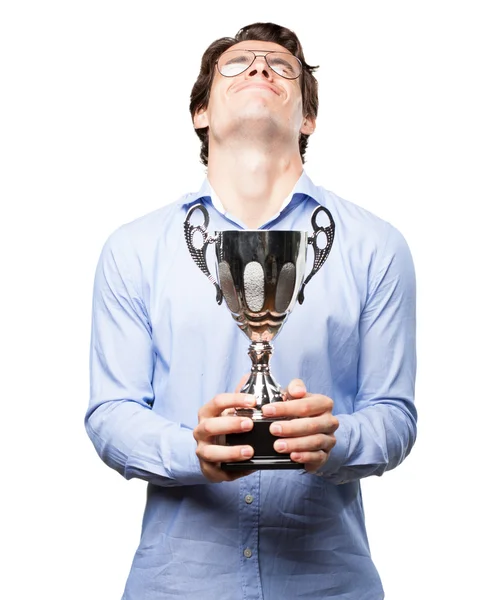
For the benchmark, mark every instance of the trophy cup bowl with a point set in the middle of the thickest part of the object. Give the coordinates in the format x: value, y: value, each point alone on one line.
x: 260, y: 275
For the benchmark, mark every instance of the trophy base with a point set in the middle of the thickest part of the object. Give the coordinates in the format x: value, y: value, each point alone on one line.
x: 265, y: 456
x: 263, y: 464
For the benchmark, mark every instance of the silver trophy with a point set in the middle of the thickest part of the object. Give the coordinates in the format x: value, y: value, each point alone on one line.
x: 260, y: 274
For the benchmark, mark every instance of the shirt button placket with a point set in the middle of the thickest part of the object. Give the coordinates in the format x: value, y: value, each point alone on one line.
x: 248, y: 540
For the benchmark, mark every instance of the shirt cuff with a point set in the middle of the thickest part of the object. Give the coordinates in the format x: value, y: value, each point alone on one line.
x: 337, y: 456
x: 172, y: 462
x: 181, y: 460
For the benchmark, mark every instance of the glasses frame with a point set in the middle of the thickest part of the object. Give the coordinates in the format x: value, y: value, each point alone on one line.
x: 265, y: 56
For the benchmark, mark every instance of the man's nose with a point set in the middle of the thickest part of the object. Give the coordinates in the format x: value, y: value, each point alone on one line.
x: 259, y: 66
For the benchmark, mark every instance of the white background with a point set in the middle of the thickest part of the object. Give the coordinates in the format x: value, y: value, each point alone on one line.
x: 95, y: 131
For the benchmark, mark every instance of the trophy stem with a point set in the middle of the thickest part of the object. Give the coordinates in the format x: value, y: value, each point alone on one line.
x: 265, y: 389
x: 261, y: 384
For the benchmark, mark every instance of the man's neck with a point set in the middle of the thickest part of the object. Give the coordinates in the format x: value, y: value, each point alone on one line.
x: 253, y: 185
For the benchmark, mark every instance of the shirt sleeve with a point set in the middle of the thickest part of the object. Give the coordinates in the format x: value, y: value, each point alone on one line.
x: 128, y: 435
x: 381, y: 431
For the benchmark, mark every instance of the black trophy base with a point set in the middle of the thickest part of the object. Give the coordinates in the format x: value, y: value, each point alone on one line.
x: 265, y: 456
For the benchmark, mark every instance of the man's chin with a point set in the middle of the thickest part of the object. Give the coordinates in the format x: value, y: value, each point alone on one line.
x: 259, y: 132
x: 253, y: 122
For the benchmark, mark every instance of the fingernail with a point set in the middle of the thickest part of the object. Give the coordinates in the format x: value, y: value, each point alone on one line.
x: 250, y: 400
x: 246, y: 452
x: 279, y: 446
x: 297, y: 389
x: 269, y: 410
x: 276, y: 429
x: 246, y: 424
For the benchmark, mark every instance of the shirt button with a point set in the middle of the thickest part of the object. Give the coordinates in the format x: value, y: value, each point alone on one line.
x: 248, y: 498
x: 247, y: 553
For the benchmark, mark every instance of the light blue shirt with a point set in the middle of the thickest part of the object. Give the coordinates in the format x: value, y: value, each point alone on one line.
x: 161, y: 348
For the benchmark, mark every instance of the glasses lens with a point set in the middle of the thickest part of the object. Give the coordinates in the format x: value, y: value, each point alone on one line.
x: 234, y: 62
x: 284, y: 64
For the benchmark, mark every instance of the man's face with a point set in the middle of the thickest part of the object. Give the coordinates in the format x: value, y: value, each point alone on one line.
x: 257, y: 102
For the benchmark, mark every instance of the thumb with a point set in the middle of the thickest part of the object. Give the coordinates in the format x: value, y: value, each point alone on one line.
x: 296, y: 389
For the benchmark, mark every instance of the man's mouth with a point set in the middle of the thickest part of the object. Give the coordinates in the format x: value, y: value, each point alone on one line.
x: 256, y: 85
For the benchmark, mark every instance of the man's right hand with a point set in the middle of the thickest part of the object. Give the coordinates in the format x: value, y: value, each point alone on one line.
x: 214, y: 423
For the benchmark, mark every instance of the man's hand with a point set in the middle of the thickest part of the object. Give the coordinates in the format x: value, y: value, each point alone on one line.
x: 308, y: 439
x: 213, y: 423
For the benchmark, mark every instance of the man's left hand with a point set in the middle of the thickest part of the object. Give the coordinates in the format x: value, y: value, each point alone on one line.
x: 310, y: 438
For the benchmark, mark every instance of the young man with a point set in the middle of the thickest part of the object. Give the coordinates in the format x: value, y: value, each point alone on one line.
x: 165, y: 358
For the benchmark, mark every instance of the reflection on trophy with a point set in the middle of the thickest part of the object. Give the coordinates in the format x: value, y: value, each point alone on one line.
x: 261, y: 275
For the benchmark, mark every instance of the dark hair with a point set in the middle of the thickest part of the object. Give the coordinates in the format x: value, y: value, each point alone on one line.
x: 265, y: 32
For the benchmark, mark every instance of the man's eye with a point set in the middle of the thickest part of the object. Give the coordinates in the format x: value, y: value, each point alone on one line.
x: 237, y: 60
x: 281, y: 66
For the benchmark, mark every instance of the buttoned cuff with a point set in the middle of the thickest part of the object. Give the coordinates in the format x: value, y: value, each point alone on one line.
x: 181, y: 461
x: 167, y: 457
x: 338, y: 455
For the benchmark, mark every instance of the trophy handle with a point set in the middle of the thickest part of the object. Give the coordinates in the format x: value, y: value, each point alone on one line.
x: 320, y: 254
x: 199, y: 254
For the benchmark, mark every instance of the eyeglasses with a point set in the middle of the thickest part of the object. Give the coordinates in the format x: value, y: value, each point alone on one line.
x: 235, y: 62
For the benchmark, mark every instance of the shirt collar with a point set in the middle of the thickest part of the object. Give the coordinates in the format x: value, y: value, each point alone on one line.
x: 221, y: 209
x: 304, y: 186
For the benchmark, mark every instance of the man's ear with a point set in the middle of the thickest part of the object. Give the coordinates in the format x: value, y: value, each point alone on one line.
x: 308, y: 126
x: 200, y: 120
